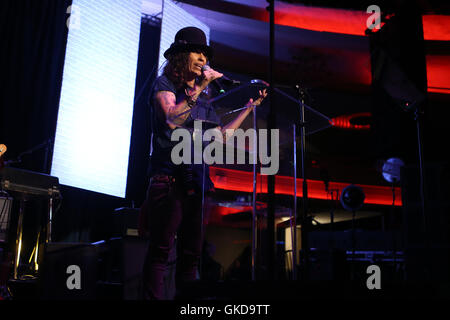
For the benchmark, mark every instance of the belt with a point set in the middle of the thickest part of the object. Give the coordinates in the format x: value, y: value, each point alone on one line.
x: 162, y: 178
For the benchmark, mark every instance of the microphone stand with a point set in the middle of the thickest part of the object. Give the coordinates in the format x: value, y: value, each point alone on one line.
x: 236, y: 110
x: 418, y: 114
x: 304, y: 221
x: 46, y: 144
x: 203, y: 214
x: 254, y: 217
x: 304, y: 217
x: 254, y: 246
x: 271, y: 124
x: 392, y: 226
x: 294, y: 229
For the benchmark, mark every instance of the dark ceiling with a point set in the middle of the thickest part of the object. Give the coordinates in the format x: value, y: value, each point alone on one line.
x: 428, y: 6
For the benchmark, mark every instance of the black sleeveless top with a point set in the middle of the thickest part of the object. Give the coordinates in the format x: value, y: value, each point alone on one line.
x: 161, y: 144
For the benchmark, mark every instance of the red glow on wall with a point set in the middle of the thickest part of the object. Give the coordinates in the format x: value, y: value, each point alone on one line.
x: 236, y: 180
x: 352, y: 22
x: 436, y: 27
x: 321, y: 19
x: 345, y: 121
x: 438, y: 73
x: 224, y: 210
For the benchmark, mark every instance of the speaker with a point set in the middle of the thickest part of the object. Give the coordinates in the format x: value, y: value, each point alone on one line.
x: 436, y: 219
x: 427, y: 240
x: 428, y: 265
x: 229, y: 244
x: 328, y: 265
x: 121, y: 269
x: 68, y: 271
x: 5, y: 214
x: 128, y: 256
x: 125, y: 222
x: 399, y: 83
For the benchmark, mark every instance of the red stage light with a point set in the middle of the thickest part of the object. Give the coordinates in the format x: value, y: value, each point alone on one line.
x: 353, y: 22
x: 345, y: 121
x: 236, y: 180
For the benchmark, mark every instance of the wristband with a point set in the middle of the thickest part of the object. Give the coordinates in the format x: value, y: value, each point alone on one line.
x: 190, y: 100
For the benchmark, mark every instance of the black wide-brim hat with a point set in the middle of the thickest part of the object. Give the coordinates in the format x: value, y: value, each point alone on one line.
x: 189, y: 39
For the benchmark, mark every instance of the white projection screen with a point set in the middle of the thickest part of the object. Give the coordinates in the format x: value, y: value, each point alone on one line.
x: 92, y: 140
x: 175, y: 18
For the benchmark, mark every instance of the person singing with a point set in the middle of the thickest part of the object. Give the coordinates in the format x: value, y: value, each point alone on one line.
x: 173, y: 205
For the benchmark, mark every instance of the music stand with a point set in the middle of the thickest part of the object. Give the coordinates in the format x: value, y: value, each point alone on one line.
x: 299, y: 116
x: 24, y: 186
x: 227, y: 105
x: 293, y: 113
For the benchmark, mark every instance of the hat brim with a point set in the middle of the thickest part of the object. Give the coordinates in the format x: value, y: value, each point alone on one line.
x: 175, y: 48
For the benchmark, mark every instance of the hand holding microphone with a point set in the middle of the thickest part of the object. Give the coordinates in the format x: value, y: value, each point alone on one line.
x: 215, y: 77
x: 210, y: 74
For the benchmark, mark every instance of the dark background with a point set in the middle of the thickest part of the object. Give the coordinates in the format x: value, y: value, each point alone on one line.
x: 34, y: 37
x: 34, y: 34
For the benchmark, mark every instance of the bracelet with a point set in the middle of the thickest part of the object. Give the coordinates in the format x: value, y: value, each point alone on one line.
x: 190, y: 101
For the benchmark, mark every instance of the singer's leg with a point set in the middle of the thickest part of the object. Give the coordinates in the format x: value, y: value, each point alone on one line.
x: 164, y: 219
x: 190, y: 239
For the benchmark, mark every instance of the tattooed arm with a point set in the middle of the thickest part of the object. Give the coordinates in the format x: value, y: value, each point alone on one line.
x: 167, y: 101
x: 172, y: 110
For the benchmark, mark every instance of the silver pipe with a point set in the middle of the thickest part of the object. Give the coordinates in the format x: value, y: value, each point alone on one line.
x: 203, y: 215
x: 294, y: 231
x: 255, y: 218
x: 19, y: 238
x: 49, y: 222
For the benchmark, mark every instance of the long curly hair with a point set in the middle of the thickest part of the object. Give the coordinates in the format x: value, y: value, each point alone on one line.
x: 177, y: 68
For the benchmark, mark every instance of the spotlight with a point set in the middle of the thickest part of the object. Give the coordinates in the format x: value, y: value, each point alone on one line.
x: 352, y: 198
x: 391, y: 169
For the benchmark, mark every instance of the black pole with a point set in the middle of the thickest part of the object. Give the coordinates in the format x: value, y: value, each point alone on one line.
x: 418, y: 115
x: 393, y: 230
x: 421, y: 170
x: 304, y: 215
x: 294, y: 230
x: 271, y: 121
x: 352, y: 276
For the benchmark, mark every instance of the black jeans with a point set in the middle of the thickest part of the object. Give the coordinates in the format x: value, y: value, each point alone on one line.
x: 171, y: 213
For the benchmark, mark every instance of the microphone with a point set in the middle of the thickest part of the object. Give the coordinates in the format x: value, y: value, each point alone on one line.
x: 224, y: 79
